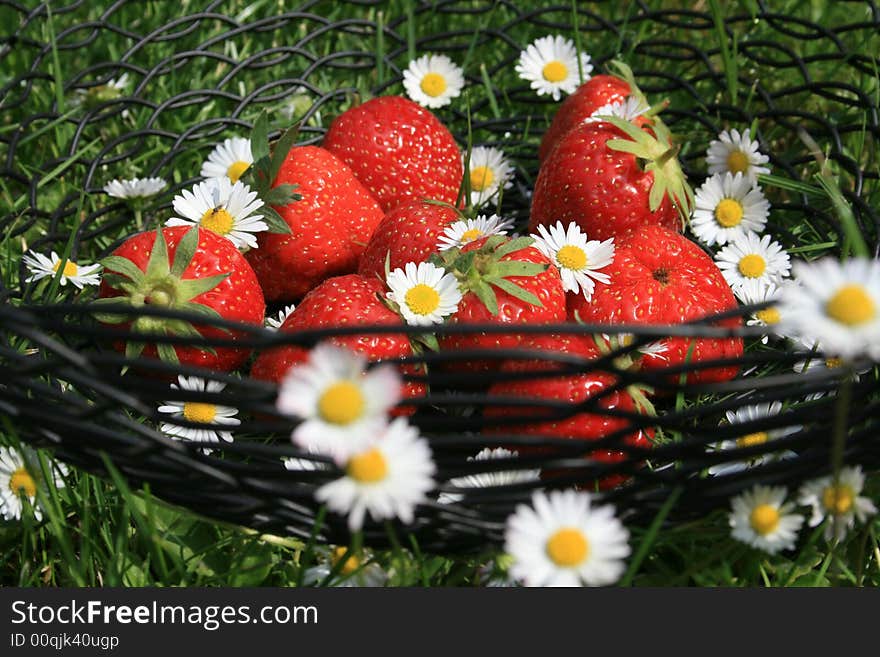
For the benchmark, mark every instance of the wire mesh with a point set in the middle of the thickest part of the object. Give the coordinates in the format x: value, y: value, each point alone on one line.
x: 63, y: 385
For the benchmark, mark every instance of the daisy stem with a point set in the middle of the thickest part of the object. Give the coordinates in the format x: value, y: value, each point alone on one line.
x: 410, y: 32
x: 838, y: 435
x: 138, y: 218
x: 380, y: 49
x: 650, y: 536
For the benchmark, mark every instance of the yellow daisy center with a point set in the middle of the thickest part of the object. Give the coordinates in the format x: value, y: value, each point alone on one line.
x: 368, y: 468
x: 217, y: 220
x: 554, y: 71
x: 70, y: 268
x: 769, y: 315
x: 572, y: 257
x: 729, y: 212
x: 737, y: 162
x: 752, y: 266
x: 851, y: 305
x: 470, y: 235
x: 482, y: 178
x: 568, y: 547
x: 199, y: 412
x: 341, y: 403
x: 22, y: 482
x: 764, y: 519
x: 838, y: 499
x: 752, y: 439
x: 422, y: 299
x: 352, y: 563
x: 236, y: 169
x: 433, y: 84
x: 831, y: 363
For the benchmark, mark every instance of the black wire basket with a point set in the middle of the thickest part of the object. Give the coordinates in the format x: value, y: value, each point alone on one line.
x: 62, y: 386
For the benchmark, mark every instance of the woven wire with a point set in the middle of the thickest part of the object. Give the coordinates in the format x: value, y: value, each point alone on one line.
x: 62, y: 386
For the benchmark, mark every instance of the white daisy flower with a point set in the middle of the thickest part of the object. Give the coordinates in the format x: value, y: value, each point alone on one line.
x: 628, y: 109
x: 20, y: 476
x: 433, y: 80
x: 751, y: 257
x: 425, y: 293
x: 836, y: 304
x: 356, y: 571
x: 110, y: 90
x: 222, y: 207
x: 736, y: 153
x: 562, y: 540
x: 728, y: 206
x: 486, y: 479
x: 42, y: 267
x: 656, y: 349
x: 550, y: 65
x: 387, y: 477
x: 760, y: 517
x: 274, y: 323
x: 488, y: 171
x: 465, y: 231
x: 753, y: 413
x: 754, y: 291
x: 201, y: 412
x: 229, y: 159
x: 134, y: 188
x: 838, y: 500
x: 578, y: 260
x: 341, y: 405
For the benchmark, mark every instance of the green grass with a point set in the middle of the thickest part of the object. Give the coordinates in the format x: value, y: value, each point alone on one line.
x: 98, y: 532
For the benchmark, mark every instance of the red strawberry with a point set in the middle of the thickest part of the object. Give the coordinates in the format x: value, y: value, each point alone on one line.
x: 504, y: 281
x: 409, y: 233
x: 350, y: 300
x: 329, y: 226
x: 661, y: 277
x: 609, y: 177
x: 184, y: 268
x: 398, y: 150
x: 571, y: 389
x: 598, y: 91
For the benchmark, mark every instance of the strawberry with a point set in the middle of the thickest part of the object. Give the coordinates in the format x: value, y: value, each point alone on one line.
x: 187, y: 269
x: 503, y: 281
x: 660, y: 277
x: 329, y: 226
x: 408, y: 233
x: 349, y: 300
x: 610, y: 176
x: 398, y: 150
x: 570, y: 389
x: 598, y: 91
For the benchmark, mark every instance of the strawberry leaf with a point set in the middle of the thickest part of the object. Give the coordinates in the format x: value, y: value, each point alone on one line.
x: 122, y: 266
x: 281, y: 195
x: 514, y: 245
x: 487, y: 296
x: 260, y: 137
x: 282, y: 148
x: 167, y: 353
x: 191, y: 288
x: 275, y: 221
x: 157, y: 265
x: 133, y: 349
x: 516, y: 291
x: 186, y: 249
x: 518, y: 268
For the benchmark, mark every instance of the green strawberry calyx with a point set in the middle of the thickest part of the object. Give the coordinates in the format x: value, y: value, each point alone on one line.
x: 160, y: 285
x: 482, y: 270
x: 658, y: 155
x: 268, y: 158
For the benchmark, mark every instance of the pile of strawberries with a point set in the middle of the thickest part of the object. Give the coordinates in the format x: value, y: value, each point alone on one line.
x: 379, y: 193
